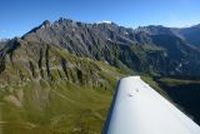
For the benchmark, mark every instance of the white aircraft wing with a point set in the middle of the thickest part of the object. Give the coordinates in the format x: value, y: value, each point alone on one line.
x: 139, y: 109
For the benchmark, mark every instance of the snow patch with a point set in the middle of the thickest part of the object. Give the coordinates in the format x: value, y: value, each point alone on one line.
x: 104, y: 21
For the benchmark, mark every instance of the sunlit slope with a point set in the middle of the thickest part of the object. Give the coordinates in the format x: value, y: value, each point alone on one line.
x: 46, y: 90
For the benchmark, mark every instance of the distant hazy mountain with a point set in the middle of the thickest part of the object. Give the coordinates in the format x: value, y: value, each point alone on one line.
x: 3, y: 42
x: 190, y: 35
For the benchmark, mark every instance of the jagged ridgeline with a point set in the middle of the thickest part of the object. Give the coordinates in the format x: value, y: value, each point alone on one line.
x: 152, y: 49
x: 59, y: 77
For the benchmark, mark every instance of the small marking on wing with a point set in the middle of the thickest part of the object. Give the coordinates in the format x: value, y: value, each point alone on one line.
x: 132, y: 92
x: 130, y: 95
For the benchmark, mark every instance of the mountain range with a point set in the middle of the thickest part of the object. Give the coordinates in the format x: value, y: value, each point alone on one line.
x: 59, y: 77
x: 152, y: 49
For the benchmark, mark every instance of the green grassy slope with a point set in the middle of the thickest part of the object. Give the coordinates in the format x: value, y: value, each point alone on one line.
x: 46, y: 90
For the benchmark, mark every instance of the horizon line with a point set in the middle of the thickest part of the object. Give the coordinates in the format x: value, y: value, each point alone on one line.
x: 106, y: 21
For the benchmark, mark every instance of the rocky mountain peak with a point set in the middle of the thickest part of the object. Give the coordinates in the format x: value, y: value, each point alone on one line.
x: 154, y: 30
x: 46, y: 23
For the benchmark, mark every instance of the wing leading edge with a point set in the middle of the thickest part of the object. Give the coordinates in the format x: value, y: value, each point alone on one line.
x: 139, y: 109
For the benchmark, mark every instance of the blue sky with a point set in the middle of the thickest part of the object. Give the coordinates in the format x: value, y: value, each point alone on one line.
x: 19, y: 16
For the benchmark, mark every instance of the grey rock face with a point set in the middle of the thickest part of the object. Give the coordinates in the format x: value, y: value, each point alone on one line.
x: 151, y: 49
